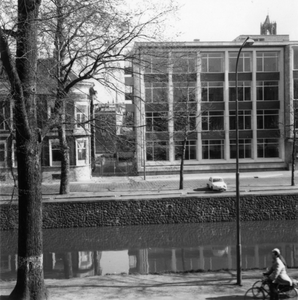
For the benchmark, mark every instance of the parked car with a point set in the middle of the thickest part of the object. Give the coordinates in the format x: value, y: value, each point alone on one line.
x: 216, y: 184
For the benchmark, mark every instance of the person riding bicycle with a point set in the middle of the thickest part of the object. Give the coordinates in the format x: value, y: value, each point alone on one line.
x: 277, y: 274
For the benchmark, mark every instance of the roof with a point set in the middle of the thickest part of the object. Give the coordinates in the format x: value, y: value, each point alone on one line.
x: 267, y: 20
x: 260, y: 41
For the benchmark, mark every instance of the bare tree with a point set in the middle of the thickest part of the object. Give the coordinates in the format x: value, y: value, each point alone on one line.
x: 21, y: 70
x: 91, y: 40
x: 185, y: 123
x: 294, y: 145
x: 176, y: 114
x: 174, y: 110
x: 294, y: 126
x: 290, y: 125
x: 85, y: 47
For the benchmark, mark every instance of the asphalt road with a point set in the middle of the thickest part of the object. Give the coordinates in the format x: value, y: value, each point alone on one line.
x: 195, y: 182
x: 261, y: 182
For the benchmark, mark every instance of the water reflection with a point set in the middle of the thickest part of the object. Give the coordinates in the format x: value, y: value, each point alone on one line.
x: 85, y: 252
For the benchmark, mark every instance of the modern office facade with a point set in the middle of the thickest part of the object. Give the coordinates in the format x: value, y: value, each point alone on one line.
x: 186, y: 92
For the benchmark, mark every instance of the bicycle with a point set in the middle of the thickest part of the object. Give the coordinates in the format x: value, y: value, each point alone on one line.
x: 261, y: 290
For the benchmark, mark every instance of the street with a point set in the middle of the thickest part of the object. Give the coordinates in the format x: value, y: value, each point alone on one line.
x: 194, y: 184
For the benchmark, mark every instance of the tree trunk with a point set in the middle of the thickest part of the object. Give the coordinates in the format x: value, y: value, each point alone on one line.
x: 68, y: 270
x: 22, y: 77
x: 60, y: 109
x: 97, y: 267
x: 92, y: 124
x: 30, y: 277
x: 293, y: 152
x: 182, y: 164
x: 64, y: 181
x: 60, y: 36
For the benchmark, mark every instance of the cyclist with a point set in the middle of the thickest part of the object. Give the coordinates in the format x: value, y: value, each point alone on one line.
x: 277, y: 274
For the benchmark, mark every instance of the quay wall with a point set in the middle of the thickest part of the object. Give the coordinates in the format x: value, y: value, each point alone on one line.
x: 168, y: 210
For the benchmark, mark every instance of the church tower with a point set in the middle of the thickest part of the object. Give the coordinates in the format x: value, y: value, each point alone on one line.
x: 268, y: 28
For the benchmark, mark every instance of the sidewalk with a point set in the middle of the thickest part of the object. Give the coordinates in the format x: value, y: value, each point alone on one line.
x: 191, y: 286
x: 160, y: 185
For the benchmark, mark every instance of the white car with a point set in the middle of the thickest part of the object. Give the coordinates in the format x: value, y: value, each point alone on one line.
x: 216, y: 184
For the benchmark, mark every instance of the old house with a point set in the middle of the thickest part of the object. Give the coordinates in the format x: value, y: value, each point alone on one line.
x: 77, y: 125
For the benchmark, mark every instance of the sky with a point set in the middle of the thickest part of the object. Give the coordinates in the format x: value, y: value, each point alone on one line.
x: 224, y: 20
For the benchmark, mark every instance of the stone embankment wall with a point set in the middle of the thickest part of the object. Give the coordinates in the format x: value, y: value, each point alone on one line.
x: 191, y: 209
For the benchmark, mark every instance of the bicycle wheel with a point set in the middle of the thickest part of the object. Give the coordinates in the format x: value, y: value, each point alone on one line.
x: 264, y: 286
x: 254, y: 293
x: 258, y: 283
x: 287, y: 292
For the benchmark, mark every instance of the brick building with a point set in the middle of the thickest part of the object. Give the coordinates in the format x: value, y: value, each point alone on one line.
x: 77, y: 129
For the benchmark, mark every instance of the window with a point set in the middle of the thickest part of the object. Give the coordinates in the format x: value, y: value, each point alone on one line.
x: 14, y: 154
x: 82, y: 115
x: 128, y: 119
x: 156, y: 63
x: 267, y: 61
x: 55, y: 153
x: 157, y: 151
x: 81, y: 151
x: 267, y: 119
x: 2, y: 117
x: 50, y: 110
x: 212, y: 91
x: 295, y: 88
x: 212, y: 62
x: 184, y: 62
x: 213, y: 149
x: 156, y: 92
x: 295, y: 51
x: 156, y: 121
x: 184, y: 121
x: 268, y: 148
x: 244, y: 91
x: 212, y: 120
x: 244, y: 120
x: 244, y: 148
x: 190, y: 150
x: 184, y: 91
x: 267, y: 90
x: 2, y: 153
x: 128, y: 92
x: 244, y: 62
x: 295, y: 115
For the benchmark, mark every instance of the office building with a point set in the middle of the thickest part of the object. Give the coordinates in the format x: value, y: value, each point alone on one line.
x: 184, y: 94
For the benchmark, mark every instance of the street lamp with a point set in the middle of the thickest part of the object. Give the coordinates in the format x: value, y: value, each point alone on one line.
x: 248, y: 42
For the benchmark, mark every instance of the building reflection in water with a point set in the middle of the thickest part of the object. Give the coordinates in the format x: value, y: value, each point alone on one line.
x: 97, y: 257
x: 207, y: 258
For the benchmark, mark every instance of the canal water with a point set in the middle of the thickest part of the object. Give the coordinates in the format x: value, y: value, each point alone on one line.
x: 83, y: 252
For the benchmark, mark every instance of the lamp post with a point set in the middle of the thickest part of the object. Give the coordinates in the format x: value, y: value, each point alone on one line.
x: 247, y: 42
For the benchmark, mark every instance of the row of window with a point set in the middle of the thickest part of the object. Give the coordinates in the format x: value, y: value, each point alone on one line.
x: 55, y: 153
x: 187, y: 62
x: 212, y: 120
x: 211, y: 91
x: 212, y: 149
x: 81, y: 116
